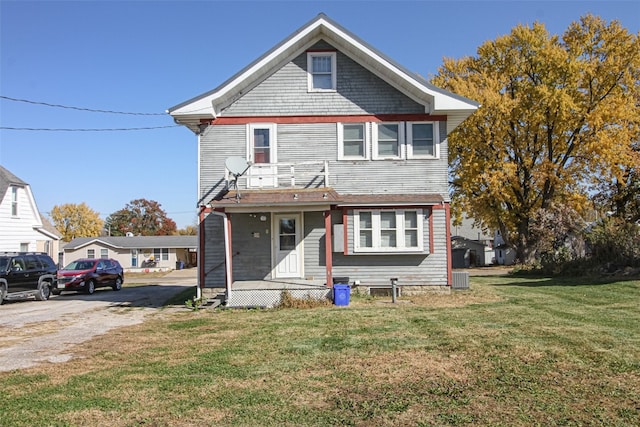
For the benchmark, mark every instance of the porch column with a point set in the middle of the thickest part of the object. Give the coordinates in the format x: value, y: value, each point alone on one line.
x: 202, y: 215
x: 328, y: 251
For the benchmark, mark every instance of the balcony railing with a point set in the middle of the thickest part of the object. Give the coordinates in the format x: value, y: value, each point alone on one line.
x: 312, y: 174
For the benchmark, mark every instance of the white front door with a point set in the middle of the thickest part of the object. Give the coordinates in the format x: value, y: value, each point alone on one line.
x: 262, y: 153
x: 287, y: 233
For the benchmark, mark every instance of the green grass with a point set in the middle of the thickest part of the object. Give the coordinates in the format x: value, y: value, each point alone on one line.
x: 509, y: 352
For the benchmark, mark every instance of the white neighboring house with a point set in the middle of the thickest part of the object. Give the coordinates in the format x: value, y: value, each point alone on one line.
x: 504, y: 254
x: 22, y: 228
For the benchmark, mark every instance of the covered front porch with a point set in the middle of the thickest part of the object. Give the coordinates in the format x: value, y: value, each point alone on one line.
x: 266, y: 242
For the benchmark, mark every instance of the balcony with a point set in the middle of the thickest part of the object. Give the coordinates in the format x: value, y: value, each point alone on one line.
x: 312, y: 174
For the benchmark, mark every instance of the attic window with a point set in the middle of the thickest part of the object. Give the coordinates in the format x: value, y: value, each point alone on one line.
x: 321, y: 70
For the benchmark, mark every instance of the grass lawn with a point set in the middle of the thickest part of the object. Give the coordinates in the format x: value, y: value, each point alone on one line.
x: 509, y: 352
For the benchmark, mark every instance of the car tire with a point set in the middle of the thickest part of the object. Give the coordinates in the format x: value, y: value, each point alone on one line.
x: 44, y: 291
x: 3, y: 292
x: 91, y: 287
x: 118, y: 285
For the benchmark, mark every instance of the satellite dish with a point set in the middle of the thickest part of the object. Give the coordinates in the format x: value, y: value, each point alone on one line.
x: 237, y: 166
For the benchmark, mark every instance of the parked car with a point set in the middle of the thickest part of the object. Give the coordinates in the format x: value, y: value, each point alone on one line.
x: 88, y: 274
x: 26, y: 274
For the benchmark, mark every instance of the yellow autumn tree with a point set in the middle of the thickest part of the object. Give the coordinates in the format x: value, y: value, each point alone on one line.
x: 74, y: 220
x: 556, y: 115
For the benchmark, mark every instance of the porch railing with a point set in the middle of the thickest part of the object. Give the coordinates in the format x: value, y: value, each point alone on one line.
x: 310, y: 174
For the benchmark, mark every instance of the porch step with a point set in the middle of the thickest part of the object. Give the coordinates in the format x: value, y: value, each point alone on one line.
x: 215, y: 301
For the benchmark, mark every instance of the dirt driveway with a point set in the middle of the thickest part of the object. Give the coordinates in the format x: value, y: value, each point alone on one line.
x: 34, y: 332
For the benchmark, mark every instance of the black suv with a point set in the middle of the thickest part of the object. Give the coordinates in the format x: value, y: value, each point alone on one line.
x: 26, y: 274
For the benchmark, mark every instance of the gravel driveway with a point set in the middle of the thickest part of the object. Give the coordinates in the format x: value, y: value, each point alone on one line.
x: 34, y: 332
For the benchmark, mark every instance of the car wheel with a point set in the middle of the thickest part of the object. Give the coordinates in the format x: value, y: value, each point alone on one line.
x: 3, y: 292
x: 44, y: 291
x: 118, y: 285
x: 91, y: 287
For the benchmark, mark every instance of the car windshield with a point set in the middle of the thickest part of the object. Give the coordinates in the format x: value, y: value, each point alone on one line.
x: 80, y: 265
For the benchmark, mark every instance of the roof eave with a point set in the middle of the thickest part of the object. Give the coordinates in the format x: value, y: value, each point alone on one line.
x: 211, y: 104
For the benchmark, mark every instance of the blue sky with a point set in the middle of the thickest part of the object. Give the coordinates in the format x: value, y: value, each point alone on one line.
x: 146, y: 56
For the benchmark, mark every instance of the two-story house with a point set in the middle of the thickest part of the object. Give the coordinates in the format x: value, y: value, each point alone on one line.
x: 22, y: 228
x: 322, y: 161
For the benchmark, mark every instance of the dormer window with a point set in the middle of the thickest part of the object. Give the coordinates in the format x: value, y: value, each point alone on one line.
x: 321, y: 69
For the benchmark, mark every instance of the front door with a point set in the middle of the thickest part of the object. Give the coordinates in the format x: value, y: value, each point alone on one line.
x: 288, y: 245
x: 263, y: 155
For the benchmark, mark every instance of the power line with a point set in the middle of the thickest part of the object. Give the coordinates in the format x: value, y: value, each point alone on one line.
x: 80, y: 108
x: 87, y: 130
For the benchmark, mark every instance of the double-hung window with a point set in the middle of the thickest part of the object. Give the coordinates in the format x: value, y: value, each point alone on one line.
x: 422, y: 140
x: 353, y: 141
x: 388, y: 140
x: 384, y: 231
x: 321, y: 70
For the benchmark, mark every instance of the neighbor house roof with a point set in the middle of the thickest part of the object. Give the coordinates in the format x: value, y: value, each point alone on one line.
x: 211, y: 104
x: 8, y: 179
x: 135, y: 242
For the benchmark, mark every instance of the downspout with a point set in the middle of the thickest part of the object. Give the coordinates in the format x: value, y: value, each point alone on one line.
x: 447, y: 215
x: 227, y: 256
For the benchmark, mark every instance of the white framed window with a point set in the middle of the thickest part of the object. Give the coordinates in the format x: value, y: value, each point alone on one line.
x: 353, y: 141
x: 388, y: 141
x: 161, y: 254
x: 321, y: 71
x: 261, y: 143
x: 14, y: 201
x: 422, y: 140
x: 91, y: 253
x: 386, y: 230
x: 104, y: 253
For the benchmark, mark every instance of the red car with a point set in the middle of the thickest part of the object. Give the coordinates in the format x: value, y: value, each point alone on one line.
x: 87, y: 274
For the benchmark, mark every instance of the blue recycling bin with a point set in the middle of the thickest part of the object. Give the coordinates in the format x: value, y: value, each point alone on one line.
x: 341, y: 294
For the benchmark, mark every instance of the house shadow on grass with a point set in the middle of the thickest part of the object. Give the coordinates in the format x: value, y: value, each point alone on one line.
x: 532, y: 280
x: 143, y: 296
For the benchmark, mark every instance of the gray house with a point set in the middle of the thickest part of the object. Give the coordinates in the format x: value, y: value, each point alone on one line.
x: 136, y: 252
x: 322, y: 161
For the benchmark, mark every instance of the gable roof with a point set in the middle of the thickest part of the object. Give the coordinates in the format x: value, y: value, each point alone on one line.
x: 211, y: 104
x: 8, y: 179
x: 135, y: 242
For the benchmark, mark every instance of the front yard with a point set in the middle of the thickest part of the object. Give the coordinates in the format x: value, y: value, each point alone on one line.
x: 510, y: 351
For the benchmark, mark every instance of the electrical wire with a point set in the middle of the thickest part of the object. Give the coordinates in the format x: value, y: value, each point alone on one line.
x: 87, y: 130
x: 80, y: 108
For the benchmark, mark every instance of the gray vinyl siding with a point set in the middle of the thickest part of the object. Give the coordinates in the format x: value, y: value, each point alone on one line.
x: 417, y: 270
x: 319, y: 141
x: 314, y: 246
x: 358, y: 92
x: 213, y: 252
x: 251, y: 246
